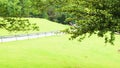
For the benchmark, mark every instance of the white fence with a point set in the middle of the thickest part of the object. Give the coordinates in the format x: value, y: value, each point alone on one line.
x: 28, y: 36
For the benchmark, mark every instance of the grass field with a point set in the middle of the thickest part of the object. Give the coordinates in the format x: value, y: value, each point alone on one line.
x: 44, y: 26
x: 59, y: 52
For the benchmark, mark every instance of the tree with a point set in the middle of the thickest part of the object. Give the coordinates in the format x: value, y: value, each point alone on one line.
x: 11, y: 12
x: 93, y: 17
x: 48, y: 9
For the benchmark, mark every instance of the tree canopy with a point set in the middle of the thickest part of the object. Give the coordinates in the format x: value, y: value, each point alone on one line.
x: 94, y: 17
x: 12, y: 13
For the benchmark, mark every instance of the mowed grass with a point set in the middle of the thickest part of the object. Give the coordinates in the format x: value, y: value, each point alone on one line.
x: 59, y: 52
x: 44, y: 26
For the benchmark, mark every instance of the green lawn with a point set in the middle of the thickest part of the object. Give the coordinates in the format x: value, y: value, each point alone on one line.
x: 59, y: 52
x: 45, y: 26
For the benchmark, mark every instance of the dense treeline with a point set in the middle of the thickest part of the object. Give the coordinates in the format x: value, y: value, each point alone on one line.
x: 49, y: 9
x: 32, y: 8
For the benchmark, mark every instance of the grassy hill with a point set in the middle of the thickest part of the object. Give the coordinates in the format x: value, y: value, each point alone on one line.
x: 45, y: 26
x: 59, y: 52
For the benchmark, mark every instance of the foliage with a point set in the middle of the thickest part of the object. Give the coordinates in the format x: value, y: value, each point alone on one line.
x: 11, y: 13
x: 94, y: 17
x: 49, y: 9
x: 17, y: 24
x: 14, y: 8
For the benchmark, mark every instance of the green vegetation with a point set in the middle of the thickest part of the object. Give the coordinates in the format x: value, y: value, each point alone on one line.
x: 93, y: 17
x: 89, y: 16
x: 59, y: 52
x: 96, y: 18
x: 44, y: 26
